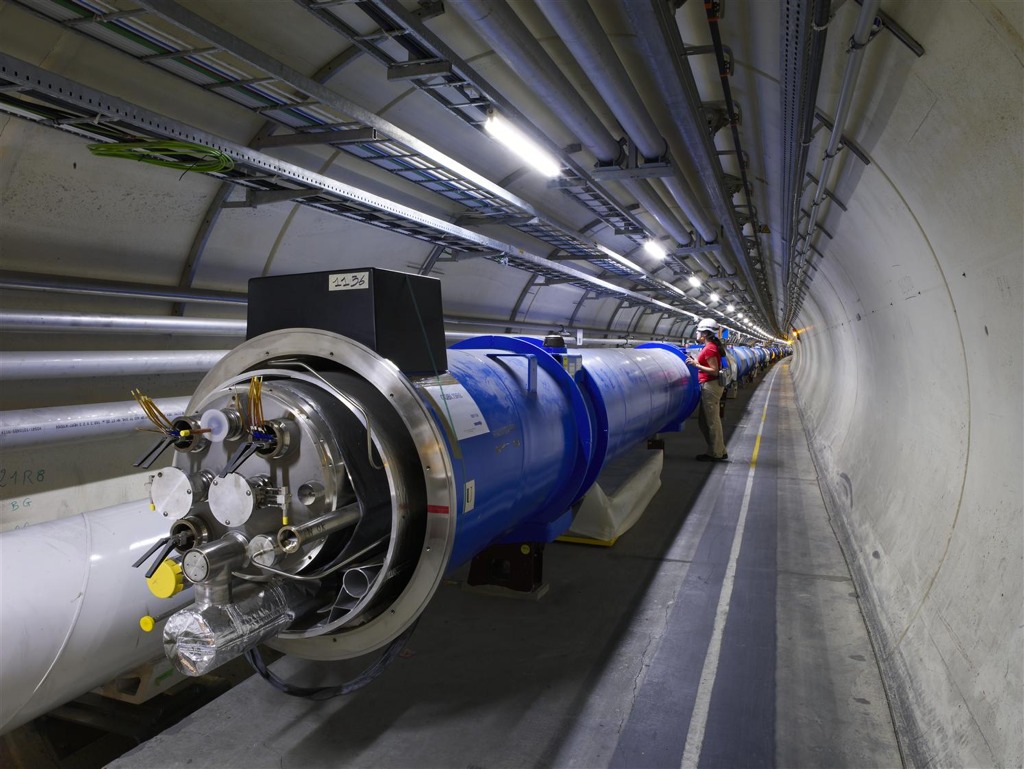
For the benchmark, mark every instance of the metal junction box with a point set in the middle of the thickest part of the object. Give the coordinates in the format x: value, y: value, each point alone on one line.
x: 396, y: 314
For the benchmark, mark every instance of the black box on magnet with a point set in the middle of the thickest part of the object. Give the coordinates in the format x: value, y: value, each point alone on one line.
x: 398, y: 315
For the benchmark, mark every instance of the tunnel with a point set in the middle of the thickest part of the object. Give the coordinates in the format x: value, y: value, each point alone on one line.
x: 355, y: 373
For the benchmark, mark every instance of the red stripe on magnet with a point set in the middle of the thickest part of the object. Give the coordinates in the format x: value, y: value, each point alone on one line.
x: 441, y: 509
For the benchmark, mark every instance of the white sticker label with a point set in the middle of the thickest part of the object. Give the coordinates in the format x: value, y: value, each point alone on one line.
x: 457, y: 405
x: 469, y: 498
x: 347, y: 281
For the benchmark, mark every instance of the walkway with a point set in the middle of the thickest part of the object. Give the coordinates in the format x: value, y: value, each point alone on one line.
x: 723, y: 630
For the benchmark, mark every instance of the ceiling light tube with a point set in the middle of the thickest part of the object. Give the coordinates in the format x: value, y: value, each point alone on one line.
x: 621, y: 260
x: 526, y: 148
x: 694, y: 281
x: 655, y: 249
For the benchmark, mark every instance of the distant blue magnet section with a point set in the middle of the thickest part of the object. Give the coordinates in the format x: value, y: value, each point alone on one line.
x: 546, y: 433
x: 527, y: 468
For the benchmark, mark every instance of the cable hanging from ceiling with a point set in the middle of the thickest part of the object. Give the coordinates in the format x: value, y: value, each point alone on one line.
x: 183, y: 156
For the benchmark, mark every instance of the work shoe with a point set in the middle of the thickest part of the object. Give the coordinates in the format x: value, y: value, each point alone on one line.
x: 709, y: 458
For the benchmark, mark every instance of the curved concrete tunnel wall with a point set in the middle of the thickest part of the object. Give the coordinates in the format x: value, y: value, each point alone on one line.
x: 909, y: 379
x: 908, y: 374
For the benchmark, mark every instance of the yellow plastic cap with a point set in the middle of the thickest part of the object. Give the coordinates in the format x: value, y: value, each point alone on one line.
x: 167, y: 580
x: 147, y: 623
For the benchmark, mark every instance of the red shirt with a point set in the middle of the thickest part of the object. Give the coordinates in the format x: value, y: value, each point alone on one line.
x: 704, y: 358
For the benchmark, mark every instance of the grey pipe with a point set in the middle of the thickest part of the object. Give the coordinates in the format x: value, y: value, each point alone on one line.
x: 293, y: 537
x: 30, y: 427
x: 51, y: 283
x: 14, y: 320
x: 511, y: 40
x: 19, y: 366
x: 861, y: 35
x: 689, y: 129
x: 585, y: 38
x: 712, y: 270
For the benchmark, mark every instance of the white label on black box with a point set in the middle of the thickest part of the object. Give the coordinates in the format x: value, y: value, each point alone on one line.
x: 347, y: 281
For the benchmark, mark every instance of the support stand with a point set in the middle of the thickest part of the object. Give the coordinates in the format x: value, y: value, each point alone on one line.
x: 516, y: 570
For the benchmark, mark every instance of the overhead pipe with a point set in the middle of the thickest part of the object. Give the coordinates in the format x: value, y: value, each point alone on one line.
x: 66, y: 285
x: 712, y: 10
x: 652, y: 22
x: 19, y: 366
x: 13, y: 320
x: 861, y: 36
x: 505, y: 32
x: 16, y: 320
x: 585, y: 38
x: 67, y: 424
x: 805, y: 85
x: 72, y: 606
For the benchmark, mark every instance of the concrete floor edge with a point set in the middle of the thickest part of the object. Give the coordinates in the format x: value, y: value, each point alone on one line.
x: 904, y: 718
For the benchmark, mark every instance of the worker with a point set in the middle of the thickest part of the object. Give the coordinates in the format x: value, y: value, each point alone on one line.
x: 708, y: 363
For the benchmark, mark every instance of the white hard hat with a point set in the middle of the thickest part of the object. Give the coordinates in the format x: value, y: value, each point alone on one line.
x: 708, y: 324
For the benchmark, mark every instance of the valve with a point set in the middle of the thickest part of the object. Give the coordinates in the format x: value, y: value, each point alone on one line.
x: 167, y: 580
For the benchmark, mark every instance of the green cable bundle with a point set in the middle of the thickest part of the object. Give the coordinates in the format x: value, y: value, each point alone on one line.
x: 183, y: 156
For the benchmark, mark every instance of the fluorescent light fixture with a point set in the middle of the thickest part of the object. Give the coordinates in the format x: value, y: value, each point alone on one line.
x: 526, y: 148
x: 655, y: 249
x: 741, y: 316
x: 676, y: 289
x: 730, y: 308
x: 714, y: 297
x: 694, y: 281
x: 621, y: 260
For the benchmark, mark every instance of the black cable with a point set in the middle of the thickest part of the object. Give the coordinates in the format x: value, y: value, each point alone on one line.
x: 321, y: 693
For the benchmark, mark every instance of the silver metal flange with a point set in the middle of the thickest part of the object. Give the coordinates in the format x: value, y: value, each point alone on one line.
x: 275, y: 350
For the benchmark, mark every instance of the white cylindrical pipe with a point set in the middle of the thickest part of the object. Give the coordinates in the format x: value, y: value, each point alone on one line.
x: 19, y: 320
x: 66, y: 424
x: 71, y: 604
x: 51, y: 365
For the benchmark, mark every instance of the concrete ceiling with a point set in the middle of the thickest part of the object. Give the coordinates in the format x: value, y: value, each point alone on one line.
x: 907, y: 295
x: 192, y: 240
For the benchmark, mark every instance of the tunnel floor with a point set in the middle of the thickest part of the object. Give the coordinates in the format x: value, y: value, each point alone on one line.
x: 722, y: 630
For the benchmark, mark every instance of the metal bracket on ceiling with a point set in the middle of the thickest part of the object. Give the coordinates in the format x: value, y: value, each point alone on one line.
x: 898, y: 32
x: 732, y: 184
x: 257, y: 198
x: 805, y: 214
x: 467, y: 220
x: 361, y: 135
x: 700, y: 248
x: 744, y: 156
x: 153, y: 57
x: 828, y: 192
x: 717, y: 114
x: 418, y: 68
x: 699, y: 50
x: 635, y: 166
x: 844, y: 140
x: 241, y: 83
x: 103, y: 18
